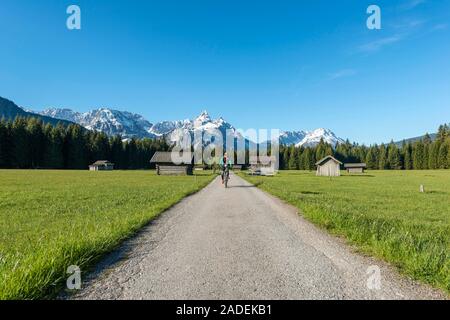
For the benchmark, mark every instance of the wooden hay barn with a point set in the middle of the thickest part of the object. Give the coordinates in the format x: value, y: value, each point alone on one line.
x: 165, y: 165
x: 263, y: 165
x: 328, y: 167
x: 355, y: 167
x: 101, y: 165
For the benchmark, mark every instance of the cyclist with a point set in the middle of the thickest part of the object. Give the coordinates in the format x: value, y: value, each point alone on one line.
x: 226, y: 164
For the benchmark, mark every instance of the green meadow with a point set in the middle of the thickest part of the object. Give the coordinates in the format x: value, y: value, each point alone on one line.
x: 381, y: 212
x: 50, y: 220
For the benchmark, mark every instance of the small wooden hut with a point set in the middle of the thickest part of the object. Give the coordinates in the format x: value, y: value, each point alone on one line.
x: 263, y: 165
x: 355, y: 167
x: 166, y: 166
x: 102, y: 165
x: 329, y: 167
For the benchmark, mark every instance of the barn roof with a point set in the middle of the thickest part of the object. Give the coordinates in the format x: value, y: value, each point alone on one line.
x: 326, y: 159
x: 102, y: 163
x: 355, y: 165
x: 166, y: 157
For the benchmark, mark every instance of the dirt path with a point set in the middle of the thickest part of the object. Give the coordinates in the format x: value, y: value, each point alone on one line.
x: 240, y: 243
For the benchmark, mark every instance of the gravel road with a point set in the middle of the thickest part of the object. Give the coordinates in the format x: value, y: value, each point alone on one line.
x: 240, y: 243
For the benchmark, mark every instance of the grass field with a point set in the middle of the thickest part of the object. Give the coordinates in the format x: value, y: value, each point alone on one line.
x: 382, y: 212
x: 50, y: 220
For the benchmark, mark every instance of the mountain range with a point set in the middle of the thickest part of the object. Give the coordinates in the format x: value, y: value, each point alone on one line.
x: 432, y: 136
x: 129, y: 125
x: 111, y: 122
x: 309, y: 138
x: 9, y: 110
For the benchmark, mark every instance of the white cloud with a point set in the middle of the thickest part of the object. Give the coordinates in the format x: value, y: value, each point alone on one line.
x: 380, y: 43
x: 342, y: 74
x: 411, y: 4
x: 410, y: 24
x: 442, y: 26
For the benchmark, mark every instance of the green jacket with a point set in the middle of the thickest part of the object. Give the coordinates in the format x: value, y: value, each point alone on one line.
x: 229, y: 163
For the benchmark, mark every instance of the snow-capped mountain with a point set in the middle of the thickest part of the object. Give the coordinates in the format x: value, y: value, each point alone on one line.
x: 111, y: 122
x: 128, y: 125
x: 292, y: 137
x: 203, y: 124
x: 63, y: 114
x: 308, y: 138
x: 165, y: 127
x: 313, y: 138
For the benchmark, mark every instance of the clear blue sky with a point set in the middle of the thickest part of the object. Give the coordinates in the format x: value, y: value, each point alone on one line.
x: 259, y: 64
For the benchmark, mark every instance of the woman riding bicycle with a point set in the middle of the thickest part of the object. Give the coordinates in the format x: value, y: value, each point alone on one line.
x: 225, y: 164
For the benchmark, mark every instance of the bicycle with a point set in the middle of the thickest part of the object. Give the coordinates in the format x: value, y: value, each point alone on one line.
x: 226, y: 176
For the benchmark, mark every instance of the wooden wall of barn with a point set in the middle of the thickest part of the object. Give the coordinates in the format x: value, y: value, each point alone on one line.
x: 173, y: 170
x: 329, y: 169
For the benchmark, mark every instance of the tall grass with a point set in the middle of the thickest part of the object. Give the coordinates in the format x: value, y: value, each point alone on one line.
x: 50, y: 220
x: 382, y: 212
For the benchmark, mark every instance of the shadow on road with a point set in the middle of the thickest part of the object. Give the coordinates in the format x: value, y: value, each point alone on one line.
x: 232, y: 187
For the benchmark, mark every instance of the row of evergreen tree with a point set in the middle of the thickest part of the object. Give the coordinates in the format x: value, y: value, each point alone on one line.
x: 419, y: 155
x: 28, y: 143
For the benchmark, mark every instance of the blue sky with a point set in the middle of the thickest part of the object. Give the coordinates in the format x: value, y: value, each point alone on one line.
x: 259, y: 64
